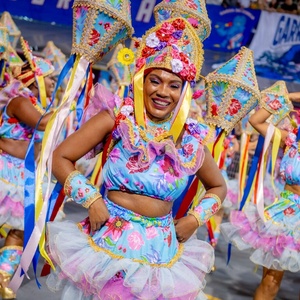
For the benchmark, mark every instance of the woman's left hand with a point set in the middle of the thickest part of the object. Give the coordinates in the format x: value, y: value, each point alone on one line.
x: 185, y: 227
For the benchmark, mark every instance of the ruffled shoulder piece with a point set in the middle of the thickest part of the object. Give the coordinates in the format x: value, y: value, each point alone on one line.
x: 100, y: 100
x: 11, y: 91
x: 204, y: 133
x: 185, y: 160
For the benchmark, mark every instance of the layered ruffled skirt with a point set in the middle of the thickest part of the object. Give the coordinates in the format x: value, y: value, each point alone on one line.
x: 130, y: 257
x: 11, y: 191
x: 275, y: 242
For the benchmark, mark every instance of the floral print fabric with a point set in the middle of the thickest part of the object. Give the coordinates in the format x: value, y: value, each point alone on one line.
x: 143, y: 164
x: 11, y: 128
x: 275, y: 241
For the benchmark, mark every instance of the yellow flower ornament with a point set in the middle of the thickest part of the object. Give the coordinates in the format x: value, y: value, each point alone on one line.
x: 126, y: 56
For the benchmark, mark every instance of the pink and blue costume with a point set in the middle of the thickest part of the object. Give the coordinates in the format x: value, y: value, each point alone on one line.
x: 133, y: 256
x: 12, y: 168
x: 275, y: 242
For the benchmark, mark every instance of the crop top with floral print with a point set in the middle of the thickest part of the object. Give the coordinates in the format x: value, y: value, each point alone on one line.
x: 290, y: 163
x: 11, y: 128
x: 148, y: 162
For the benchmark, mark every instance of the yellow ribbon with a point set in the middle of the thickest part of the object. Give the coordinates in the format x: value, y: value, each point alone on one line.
x: 96, y: 170
x: 138, y: 83
x: 243, y: 165
x: 182, y: 115
x: 219, y: 147
x: 121, y: 91
x: 275, y: 149
x: 3, y: 231
x: 40, y: 176
x: 42, y: 90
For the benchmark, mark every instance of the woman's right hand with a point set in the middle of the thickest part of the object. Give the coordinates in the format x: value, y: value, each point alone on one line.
x: 98, y: 214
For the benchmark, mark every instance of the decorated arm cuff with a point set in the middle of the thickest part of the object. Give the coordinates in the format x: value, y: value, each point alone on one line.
x: 207, y: 207
x: 80, y: 189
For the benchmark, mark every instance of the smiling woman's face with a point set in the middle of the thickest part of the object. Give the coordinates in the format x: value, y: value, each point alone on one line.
x: 162, y: 90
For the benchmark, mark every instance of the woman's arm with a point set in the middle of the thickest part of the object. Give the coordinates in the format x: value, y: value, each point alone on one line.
x: 79, y: 143
x: 22, y: 109
x: 75, y: 184
x: 259, y: 121
x: 211, y: 177
x: 295, y: 97
x: 214, y: 184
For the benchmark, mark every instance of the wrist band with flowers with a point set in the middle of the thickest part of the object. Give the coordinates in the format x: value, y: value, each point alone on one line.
x: 80, y: 189
x: 207, y: 207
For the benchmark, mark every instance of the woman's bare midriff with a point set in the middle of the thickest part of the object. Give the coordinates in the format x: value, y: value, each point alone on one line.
x: 17, y: 148
x: 140, y: 204
x: 293, y: 188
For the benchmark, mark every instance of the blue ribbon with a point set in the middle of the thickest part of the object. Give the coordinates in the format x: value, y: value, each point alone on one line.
x: 251, y: 175
x: 80, y: 101
x: 298, y: 134
x: 179, y: 200
x: 29, y: 173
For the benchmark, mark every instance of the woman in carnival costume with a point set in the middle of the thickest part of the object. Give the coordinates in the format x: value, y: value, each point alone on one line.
x: 274, y: 235
x: 130, y: 247
x: 20, y: 112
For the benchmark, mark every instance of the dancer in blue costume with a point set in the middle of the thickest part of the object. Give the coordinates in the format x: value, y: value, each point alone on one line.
x: 130, y: 247
x: 20, y: 111
x: 275, y: 241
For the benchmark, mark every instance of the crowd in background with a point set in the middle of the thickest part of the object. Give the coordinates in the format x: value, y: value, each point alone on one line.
x: 282, y: 6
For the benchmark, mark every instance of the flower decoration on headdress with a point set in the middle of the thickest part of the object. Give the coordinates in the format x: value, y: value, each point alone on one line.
x: 193, y: 11
x: 126, y: 56
x: 172, y: 45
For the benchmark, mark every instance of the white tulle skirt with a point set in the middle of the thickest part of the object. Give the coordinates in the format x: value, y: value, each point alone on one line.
x: 130, y: 257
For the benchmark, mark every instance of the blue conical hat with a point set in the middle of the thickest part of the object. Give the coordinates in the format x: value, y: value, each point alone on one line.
x: 4, y: 41
x: 99, y: 25
x: 13, y: 58
x: 14, y: 32
x: 277, y: 94
x: 232, y: 91
x: 55, y: 55
x: 194, y: 11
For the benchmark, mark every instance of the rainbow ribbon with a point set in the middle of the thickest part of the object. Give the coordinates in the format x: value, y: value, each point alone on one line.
x: 37, y: 237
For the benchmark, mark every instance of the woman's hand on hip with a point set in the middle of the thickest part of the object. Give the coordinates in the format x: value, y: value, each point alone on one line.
x: 185, y: 227
x: 98, y: 214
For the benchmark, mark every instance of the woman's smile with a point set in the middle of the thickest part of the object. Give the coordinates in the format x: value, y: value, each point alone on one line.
x: 162, y: 90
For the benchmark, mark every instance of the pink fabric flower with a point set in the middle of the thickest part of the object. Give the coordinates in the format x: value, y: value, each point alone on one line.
x: 188, y: 150
x: 275, y: 104
x: 234, y: 107
x: 135, y: 240
x: 214, y: 109
x: 194, y: 22
x: 197, y: 94
x: 107, y: 26
x: 151, y: 232
x: 289, y: 211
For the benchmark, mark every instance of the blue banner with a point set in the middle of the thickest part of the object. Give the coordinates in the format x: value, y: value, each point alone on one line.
x: 231, y: 28
x: 50, y: 11
x: 277, y: 54
x: 60, y: 12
